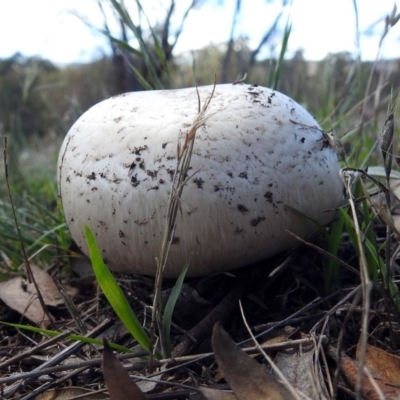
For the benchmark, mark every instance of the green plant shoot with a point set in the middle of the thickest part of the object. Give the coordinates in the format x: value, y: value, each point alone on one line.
x: 114, y: 294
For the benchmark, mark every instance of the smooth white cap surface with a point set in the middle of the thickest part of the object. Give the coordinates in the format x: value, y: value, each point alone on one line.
x: 259, y: 152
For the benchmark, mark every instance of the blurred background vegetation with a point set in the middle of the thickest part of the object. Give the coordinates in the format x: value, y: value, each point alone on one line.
x: 39, y: 101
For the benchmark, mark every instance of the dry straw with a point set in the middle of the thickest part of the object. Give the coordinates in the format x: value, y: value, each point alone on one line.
x: 180, y: 178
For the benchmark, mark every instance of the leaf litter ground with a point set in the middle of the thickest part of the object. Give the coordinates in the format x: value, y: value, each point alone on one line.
x: 283, y: 301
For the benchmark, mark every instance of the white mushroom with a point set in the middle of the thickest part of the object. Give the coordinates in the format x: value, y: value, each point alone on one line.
x: 258, y: 153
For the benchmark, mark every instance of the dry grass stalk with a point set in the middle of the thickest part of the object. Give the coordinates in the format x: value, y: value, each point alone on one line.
x: 390, y: 21
x: 184, y: 154
x: 386, y: 143
x: 28, y: 270
x: 277, y: 371
x: 348, y: 178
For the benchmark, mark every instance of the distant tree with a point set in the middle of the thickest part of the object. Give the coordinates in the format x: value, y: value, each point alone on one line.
x: 248, y: 62
x: 143, y: 54
x: 23, y: 109
x: 148, y: 64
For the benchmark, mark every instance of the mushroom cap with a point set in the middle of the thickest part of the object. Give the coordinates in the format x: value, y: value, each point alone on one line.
x: 259, y: 158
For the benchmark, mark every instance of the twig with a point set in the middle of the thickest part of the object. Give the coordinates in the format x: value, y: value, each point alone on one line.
x: 49, y: 385
x: 357, y: 295
x: 325, y: 253
x: 336, y: 307
x: 277, y: 371
x: 28, y: 269
x: 34, y: 350
x: 205, y: 326
x: 285, y: 321
x: 178, y: 362
x: 26, y: 378
x: 366, y: 284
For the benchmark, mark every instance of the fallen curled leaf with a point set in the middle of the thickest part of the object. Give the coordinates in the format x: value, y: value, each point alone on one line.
x: 349, y: 368
x: 147, y: 386
x: 21, y: 296
x: 382, y: 363
x: 70, y: 392
x: 248, y: 379
x: 215, y: 394
x: 119, y: 384
x: 302, y: 371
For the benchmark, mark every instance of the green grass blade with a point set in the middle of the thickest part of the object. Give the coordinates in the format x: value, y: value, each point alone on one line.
x: 126, y: 46
x: 307, y: 217
x: 146, y: 85
x: 144, y: 47
x: 349, y: 226
x: 72, y: 336
x: 332, y: 269
x: 159, y: 51
x: 114, y: 294
x: 380, y: 172
x: 279, y: 64
x: 168, y: 311
x: 40, y: 240
x: 375, y: 261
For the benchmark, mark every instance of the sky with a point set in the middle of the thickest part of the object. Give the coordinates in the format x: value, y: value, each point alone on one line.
x: 66, y: 31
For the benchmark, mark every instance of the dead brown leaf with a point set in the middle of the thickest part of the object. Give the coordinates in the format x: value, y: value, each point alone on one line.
x: 22, y: 297
x: 247, y: 378
x: 349, y: 368
x: 215, y: 394
x: 282, y: 335
x: 382, y: 363
x: 67, y: 393
x: 146, y: 386
x: 119, y: 384
x: 301, y: 370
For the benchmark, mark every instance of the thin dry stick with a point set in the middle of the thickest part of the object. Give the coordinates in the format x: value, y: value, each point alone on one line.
x: 57, y: 359
x: 278, y: 372
x: 184, y: 155
x: 340, y: 339
x: 178, y: 362
x: 46, y: 386
x: 324, y: 252
x: 314, y: 303
x: 366, y: 285
x: 28, y: 269
x: 328, y: 379
x: 56, y: 383
x: 30, y: 351
x: 71, y: 307
x: 318, y: 346
x: 374, y: 384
